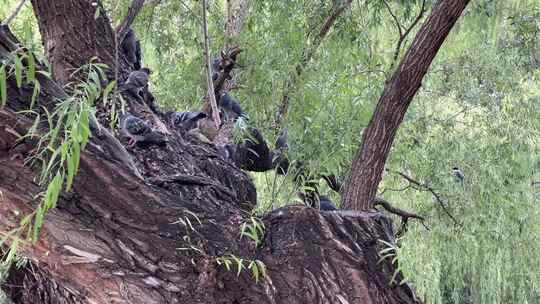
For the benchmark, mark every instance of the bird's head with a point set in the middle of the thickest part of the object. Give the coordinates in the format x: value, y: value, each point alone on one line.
x: 147, y: 71
x: 455, y: 169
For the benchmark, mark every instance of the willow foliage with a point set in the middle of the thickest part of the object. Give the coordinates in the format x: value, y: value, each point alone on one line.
x: 478, y: 109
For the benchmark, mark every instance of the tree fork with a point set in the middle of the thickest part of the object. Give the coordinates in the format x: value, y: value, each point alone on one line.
x: 368, y: 165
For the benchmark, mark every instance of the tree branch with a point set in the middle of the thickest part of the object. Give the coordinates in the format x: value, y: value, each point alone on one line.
x: 209, y: 82
x: 14, y: 13
x: 396, y: 21
x: 403, y: 35
x: 377, y: 138
x: 402, y: 213
x: 236, y: 13
x: 428, y: 188
x: 306, y: 58
x: 133, y: 11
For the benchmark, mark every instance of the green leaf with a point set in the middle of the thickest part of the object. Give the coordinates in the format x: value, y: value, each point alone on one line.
x: 18, y: 70
x: 53, y: 192
x: 240, y: 265
x: 108, y: 90
x: 38, y: 222
x: 84, y: 129
x: 3, y: 85
x: 31, y: 75
x: 254, y: 271
x: 71, y: 163
x: 35, y: 93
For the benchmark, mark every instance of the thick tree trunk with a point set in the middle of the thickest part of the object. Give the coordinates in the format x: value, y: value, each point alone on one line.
x: 72, y: 41
x: 117, y: 238
x: 368, y: 165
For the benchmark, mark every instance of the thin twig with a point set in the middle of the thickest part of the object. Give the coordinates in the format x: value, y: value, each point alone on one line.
x: 402, y: 34
x: 430, y: 189
x: 14, y: 13
x: 209, y: 82
x: 133, y: 11
x: 396, y: 21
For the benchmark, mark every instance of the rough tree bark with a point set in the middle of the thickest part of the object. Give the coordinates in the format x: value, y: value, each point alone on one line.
x: 368, y: 165
x: 115, y: 238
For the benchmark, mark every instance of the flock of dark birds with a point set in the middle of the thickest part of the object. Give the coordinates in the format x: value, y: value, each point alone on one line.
x: 137, y: 130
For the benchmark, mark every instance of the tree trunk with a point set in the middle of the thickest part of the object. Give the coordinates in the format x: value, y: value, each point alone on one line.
x: 115, y: 238
x: 237, y: 11
x: 368, y: 165
x: 72, y: 41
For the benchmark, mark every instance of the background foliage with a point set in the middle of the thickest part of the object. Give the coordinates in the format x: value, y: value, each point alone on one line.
x: 478, y: 109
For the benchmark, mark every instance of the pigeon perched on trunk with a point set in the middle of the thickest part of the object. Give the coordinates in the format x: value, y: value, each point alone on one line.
x: 231, y: 107
x: 137, y: 130
x: 325, y: 204
x: 186, y: 120
x: 216, y: 68
x: 131, y: 46
x: 136, y: 81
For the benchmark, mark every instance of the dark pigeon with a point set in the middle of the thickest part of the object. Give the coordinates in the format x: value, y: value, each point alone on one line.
x: 232, y: 107
x: 326, y: 204
x: 136, y: 81
x: 186, y: 120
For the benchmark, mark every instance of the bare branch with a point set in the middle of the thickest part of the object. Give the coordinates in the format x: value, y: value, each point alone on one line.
x: 396, y: 21
x: 306, y: 58
x: 133, y: 11
x: 403, y: 35
x: 14, y: 13
x: 402, y: 213
x: 427, y: 187
x: 210, y: 85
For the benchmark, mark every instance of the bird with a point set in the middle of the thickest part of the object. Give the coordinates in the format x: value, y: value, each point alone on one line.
x: 458, y: 174
x: 136, y: 81
x: 136, y: 129
x: 216, y: 67
x: 281, y: 141
x: 280, y: 161
x: 186, y: 120
x: 131, y: 46
x: 325, y: 204
x: 231, y: 107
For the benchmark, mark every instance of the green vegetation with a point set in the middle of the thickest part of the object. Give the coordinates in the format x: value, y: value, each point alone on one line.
x: 478, y: 109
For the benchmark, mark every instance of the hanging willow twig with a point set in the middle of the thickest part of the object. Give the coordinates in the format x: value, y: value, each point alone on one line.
x: 210, y: 85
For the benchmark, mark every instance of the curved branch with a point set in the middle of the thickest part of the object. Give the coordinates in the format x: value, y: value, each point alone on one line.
x: 14, y: 13
x: 427, y: 188
x: 403, y: 35
x: 133, y: 11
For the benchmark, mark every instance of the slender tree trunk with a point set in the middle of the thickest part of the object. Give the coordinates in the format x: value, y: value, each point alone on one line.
x: 377, y: 139
x: 237, y: 11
